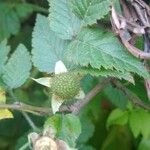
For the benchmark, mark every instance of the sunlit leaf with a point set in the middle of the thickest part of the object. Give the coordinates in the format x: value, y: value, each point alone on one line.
x: 5, y: 114
x: 139, y: 121
x: 118, y: 117
x: 2, y: 96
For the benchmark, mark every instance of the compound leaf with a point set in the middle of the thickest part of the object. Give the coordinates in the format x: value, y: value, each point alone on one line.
x: 98, y: 49
x: 5, y: 114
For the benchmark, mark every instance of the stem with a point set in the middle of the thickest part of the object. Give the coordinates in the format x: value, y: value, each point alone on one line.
x: 132, y: 97
x: 26, y: 116
x: 26, y: 108
x: 31, y: 123
x: 76, y: 107
x: 24, y: 147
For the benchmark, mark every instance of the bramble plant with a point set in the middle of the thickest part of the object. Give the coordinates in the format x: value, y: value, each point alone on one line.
x: 76, y: 76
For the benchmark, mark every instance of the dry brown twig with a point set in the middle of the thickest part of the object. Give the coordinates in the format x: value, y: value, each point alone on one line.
x: 123, y: 25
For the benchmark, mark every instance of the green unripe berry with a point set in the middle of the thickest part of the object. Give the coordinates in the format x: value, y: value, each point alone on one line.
x: 65, y: 85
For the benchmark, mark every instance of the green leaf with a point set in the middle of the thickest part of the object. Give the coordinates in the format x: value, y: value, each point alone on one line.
x: 24, y: 10
x: 2, y: 95
x: 67, y: 127
x: 118, y: 138
x: 91, y: 10
x: 96, y: 48
x: 117, y: 117
x: 5, y: 114
x: 4, y: 50
x: 139, y: 121
x: 106, y: 73
x: 47, y: 47
x: 9, y: 24
x: 116, y: 96
x: 62, y: 20
x: 11, y: 15
x: 87, y: 129
x: 86, y: 147
x: 17, y: 69
x: 144, y: 144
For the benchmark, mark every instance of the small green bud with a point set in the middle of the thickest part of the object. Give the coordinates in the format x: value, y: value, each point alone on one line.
x: 65, y: 85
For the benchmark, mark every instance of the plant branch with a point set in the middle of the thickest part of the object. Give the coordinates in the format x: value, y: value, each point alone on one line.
x: 132, y: 97
x: 26, y: 108
x: 26, y: 116
x: 76, y: 107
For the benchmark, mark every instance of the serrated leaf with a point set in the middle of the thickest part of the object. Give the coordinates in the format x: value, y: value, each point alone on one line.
x: 116, y: 96
x: 68, y: 127
x: 4, y: 50
x: 5, y: 114
x: 47, y: 47
x: 106, y: 73
x: 117, y: 117
x: 98, y: 49
x: 139, y: 121
x: 17, y: 69
x: 91, y: 10
x: 62, y: 20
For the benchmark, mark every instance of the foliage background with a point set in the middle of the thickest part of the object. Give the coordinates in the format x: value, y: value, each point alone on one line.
x: 16, y: 25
